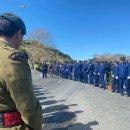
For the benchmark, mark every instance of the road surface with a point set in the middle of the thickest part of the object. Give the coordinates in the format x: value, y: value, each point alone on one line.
x: 71, y: 105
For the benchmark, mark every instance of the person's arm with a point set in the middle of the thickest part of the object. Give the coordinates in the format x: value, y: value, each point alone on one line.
x: 19, y: 84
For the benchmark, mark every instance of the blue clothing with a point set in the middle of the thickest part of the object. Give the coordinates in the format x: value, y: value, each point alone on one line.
x: 115, y: 82
x: 70, y: 69
x: 96, y: 76
x: 75, y: 67
x: 90, y: 72
x: 123, y: 70
x: 85, y: 73
x: 102, y: 71
x: 80, y: 72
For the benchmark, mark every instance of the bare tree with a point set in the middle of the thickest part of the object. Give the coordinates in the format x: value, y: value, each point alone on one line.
x: 109, y: 57
x: 43, y: 37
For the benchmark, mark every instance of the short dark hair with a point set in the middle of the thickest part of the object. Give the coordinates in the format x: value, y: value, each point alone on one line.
x: 7, y: 28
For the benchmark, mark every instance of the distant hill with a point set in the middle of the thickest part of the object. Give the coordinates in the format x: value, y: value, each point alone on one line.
x: 40, y: 52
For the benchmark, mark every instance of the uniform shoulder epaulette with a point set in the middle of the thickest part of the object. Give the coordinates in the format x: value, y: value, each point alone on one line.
x: 19, y: 56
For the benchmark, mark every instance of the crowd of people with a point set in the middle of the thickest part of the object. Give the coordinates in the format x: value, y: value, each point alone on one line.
x: 99, y: 73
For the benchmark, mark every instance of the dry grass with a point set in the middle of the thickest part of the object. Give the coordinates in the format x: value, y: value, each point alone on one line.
x: 39, y: 52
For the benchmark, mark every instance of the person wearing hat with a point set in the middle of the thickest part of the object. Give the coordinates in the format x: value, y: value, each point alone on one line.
x: 19, y: 107
x: 102, y: 73
x: 123, y: 74
x: 85, y: 74
x: 90, y: 71
x: 96, y: 71
x: 115, y: 82
x: 80, y: 71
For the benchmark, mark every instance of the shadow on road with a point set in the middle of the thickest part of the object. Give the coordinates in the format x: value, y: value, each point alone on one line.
x: 40, y: 93
x: 50, y: 102
x: 79, y: 126
x: 55, y: 108
x: 57, y: 116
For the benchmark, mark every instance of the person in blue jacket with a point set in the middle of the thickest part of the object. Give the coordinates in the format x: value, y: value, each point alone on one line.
x: 75, y: 69
x: 123, y: 74
x: 79, y: 71
x: 96, y: 76
x: 115, y: 82
x: 90, y: 71
x: 85, y: 74
x: 102, y: 74
x: 70, y: 68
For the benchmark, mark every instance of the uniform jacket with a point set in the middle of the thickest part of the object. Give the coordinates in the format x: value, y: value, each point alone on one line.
x: 114, y: 70
x: 16, y: 90
x: 85, y: 67
x: 102, y: 69
x: 96, y: 68
x: 123, y: 70
x: 44, y: 67
x: 90, y: 68
x: 80, y: 66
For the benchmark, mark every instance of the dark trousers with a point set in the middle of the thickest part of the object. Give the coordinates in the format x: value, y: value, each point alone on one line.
x: 90, y: 75
x: 115, y: 85
x: 80, y: 77
x: 75, y: 75
x: 70, y: 74
x: 102, y: 81
x: 96, y: 80
x: 122, y: 82
x: 85, y: 77
x: 44, y: 73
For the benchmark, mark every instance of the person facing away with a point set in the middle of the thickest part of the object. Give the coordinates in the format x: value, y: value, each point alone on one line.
x: 44, y: 70
x: 19, y: 107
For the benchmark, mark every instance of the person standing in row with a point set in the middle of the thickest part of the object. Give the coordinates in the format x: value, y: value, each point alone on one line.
x: 123, y: 74
x: 44, y: 68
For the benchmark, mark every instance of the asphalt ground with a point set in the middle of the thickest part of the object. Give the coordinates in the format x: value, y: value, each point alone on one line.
x: 71, y: 105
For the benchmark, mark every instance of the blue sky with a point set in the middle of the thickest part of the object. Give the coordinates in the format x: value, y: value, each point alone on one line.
x: 79, y: 28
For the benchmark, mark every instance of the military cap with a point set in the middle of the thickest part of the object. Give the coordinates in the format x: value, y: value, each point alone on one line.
x: 116, y: 62
x: 15, y: 19
x: 122, y: 58
x: 89, y: 60
x: 97, y: 61
x: 101, y: 61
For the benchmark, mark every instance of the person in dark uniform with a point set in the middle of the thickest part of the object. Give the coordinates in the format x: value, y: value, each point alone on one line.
x: 90, y: 72
x: 75, y: 69
x: 44, y: 70
x: 85, y: 74
x: 115, y: 82
x: 96, y: 76
x: 70, y: 68
x: 108, y: 71
x: 19, y: 107
x: 102, y: 72
x: 80, y: 71
x: 123, y: 74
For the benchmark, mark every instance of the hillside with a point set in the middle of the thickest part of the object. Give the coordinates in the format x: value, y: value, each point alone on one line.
x: 40, y: 52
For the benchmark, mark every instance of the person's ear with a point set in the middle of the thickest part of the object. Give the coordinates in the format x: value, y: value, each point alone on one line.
x: 19, y: 33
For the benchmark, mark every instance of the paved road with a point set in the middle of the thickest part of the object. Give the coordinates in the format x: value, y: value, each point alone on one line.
x: 70, y: 105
